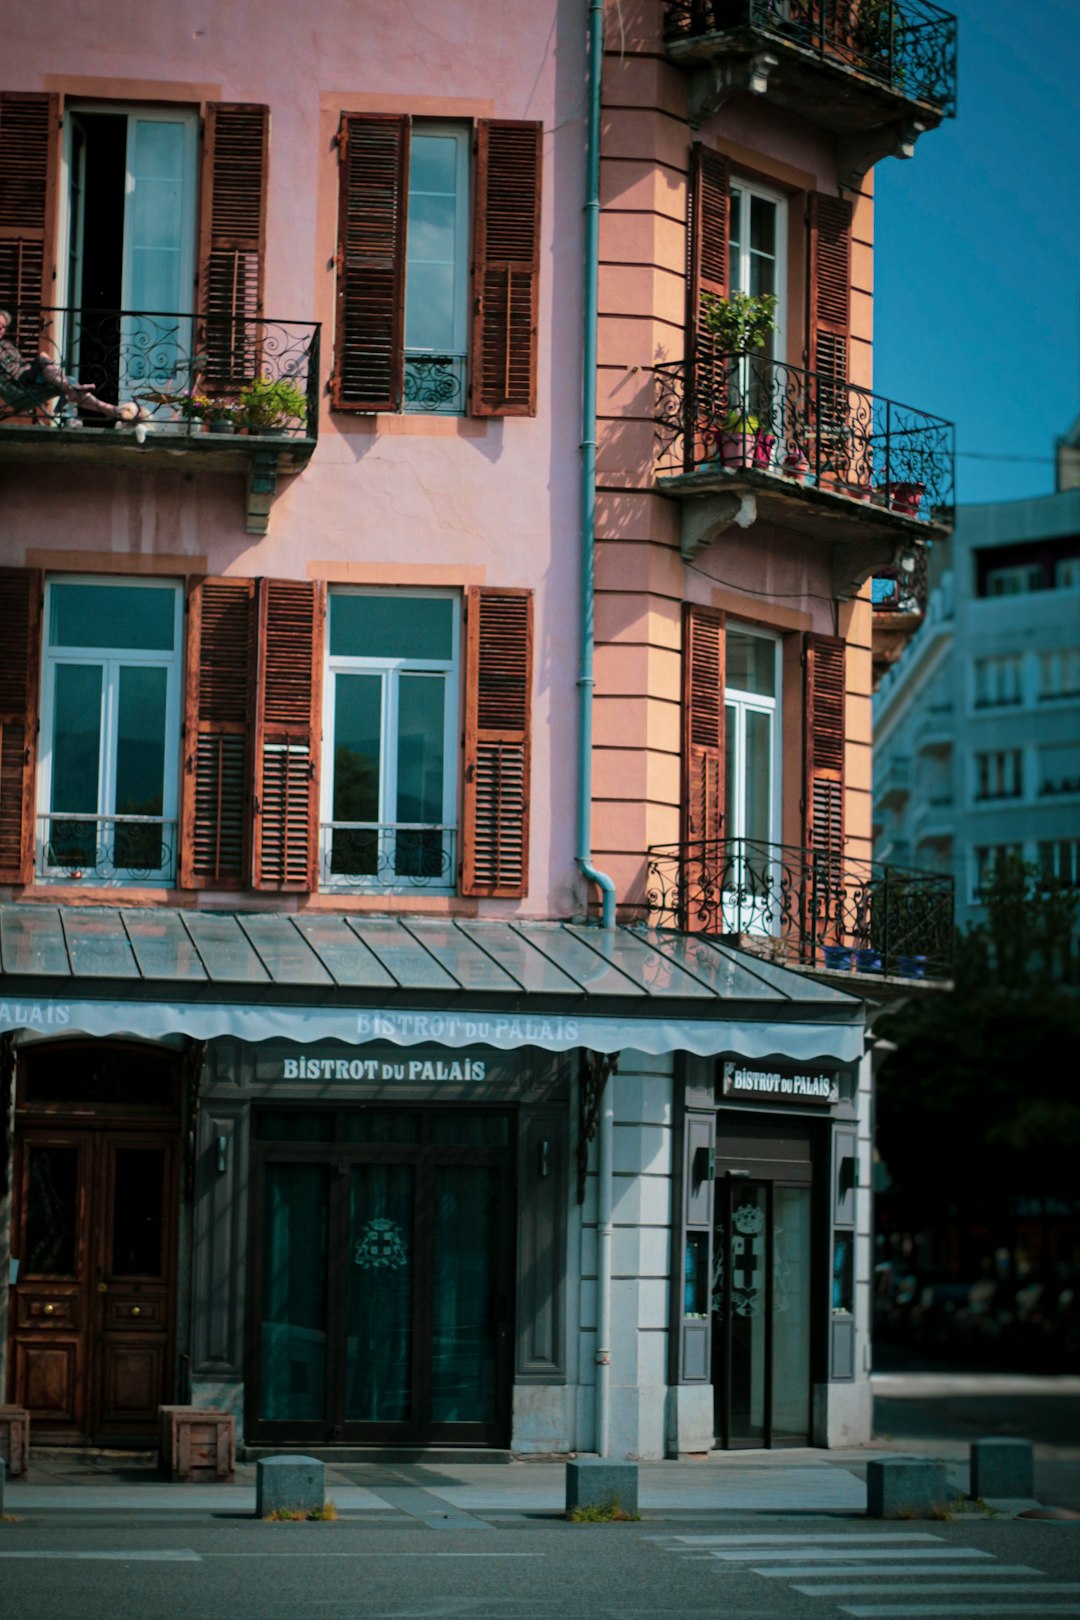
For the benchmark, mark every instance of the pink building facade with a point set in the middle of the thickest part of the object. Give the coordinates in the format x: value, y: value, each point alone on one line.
x: 328, y: 1101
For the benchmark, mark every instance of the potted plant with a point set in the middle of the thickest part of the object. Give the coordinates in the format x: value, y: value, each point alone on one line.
x: 737, y: 440
x: 739, y: 323
x: 795, y: 464
x: 907, y: 497
x: 220, y: 416
x: 269, y: 405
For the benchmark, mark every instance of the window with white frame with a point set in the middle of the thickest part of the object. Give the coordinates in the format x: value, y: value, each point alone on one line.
x: 751, y: 777
x: 1060, y: 858
x: 1017, y: 580
x: 1059, y: 673
x: 998, y: 682
x: 390, y: 731
x: 107, y: 796
x: 757, y: 265
x: 437, y: 268
x: 999, y: 774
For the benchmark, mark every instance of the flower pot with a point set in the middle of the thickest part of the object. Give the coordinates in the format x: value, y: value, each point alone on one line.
x: 737, y: 449
x: 764, y: 445
x: 907, y: 498
x: 219, y: 425
x: 868, y: 961
x: 795, y: 465
x: 859, y: 492
x: 911, y: 967
x: 837, y: 958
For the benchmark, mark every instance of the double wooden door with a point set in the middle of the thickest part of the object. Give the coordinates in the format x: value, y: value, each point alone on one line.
x: 92, y: 1310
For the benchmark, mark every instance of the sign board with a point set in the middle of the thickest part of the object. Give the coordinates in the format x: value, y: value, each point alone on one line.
x: 753, y: 1082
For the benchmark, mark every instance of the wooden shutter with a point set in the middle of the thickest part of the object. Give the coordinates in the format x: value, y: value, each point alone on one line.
x: 215, y: 816
x: 506, y: 268
x: 20, y: 652
x: 29, y: 164
x: 498, y: 734
x: 829, y: 324
x: 703, y: 724
x: 823, y: 801
x: 232, y: 241
x: 288, y: 729
x: 708, y: 238
x: 369, y: 351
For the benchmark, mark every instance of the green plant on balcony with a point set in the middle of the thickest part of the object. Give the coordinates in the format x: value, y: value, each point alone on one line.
x: 741, y: 322
x: 269, y: 404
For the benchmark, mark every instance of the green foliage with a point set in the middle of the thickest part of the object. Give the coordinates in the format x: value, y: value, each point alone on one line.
x: 740, y: 322
x: 735, y: 422
x: 271, y: 402
x: 609, y: 1513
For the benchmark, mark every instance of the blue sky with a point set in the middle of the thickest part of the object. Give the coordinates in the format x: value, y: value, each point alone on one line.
x: 977, y: 295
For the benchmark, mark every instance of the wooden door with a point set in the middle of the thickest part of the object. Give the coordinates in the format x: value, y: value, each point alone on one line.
x: 93, y: 1307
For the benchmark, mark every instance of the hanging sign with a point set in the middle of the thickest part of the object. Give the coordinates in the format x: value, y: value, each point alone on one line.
x: 753, y: 1082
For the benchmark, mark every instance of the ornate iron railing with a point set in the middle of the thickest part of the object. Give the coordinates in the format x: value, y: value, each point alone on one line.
x: 106, y: 849
x: 748, y: 412
x: 435, y: 383
x: 188, y: 374
x: 903, y: 589
x: 388, y: 855
x: 806, y: 907
x: 909, y: 46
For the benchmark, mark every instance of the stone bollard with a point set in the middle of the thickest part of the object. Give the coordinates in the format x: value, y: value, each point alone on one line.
x: 1002, y: 1468
x: 905, y: 1488
x: 292, y: 1484
x: 598, y: 1482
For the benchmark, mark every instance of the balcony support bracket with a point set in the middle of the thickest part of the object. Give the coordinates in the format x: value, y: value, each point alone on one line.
x: 262, y: 475
x: 714, y: 83
x: 707, y: 516
x: 858, y: 151
x: 856, y: 561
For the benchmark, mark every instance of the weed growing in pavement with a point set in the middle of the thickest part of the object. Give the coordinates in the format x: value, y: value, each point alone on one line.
x: 961, y: 1505
x: 610, y: 1513
x: 297, y: 1515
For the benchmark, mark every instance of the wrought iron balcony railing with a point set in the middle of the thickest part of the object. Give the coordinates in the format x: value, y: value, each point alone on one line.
x: 106, y: 849
x: 809, y: 908
x: 908, y: 46
x: 747, y: 412
x: 189, y: 374
x: 387, y: 856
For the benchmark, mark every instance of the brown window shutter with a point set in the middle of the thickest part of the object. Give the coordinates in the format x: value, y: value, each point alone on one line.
x: 215, y: 815
x: 288, y: 730
x: 232, y: 241
x: 829, y: 325
x: 506, y: 268
x: 498, y: 737
x: 703, y: 724
x: 369, y: 349
x: 29, y: 165
x: 823, y: 801
x: 20, y: 653
x: 708, y: 236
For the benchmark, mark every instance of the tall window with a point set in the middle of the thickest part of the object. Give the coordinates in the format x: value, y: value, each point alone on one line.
x: 436, y: 269
x: 1017, y: 580
x: 998, y: 682
x: 111, y: 731
x: 751, y: 781
x: 390, y: 739
x: 999, y: 774
x: 1059, y: 673
x: 757, y: 266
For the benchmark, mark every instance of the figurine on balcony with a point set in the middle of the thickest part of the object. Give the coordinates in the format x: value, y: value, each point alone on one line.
x: 29, y: 386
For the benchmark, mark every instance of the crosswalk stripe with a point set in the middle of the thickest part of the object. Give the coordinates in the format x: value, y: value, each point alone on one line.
x: 168, y: 1555
x: 852, y: 1571
x: 879, y: 1611
x: 802, y: 1539
x: 748, y: 1555
x: 842, y: 1589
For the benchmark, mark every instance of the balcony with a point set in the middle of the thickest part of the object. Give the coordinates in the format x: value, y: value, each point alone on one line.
x: 106, y: 850
x: 899, y: 597
x: 805, y: 908
x: 815, y: 455
x: 894, y: 785
x: 878, y: 72
x: 215, y: 395
x: 359, y: 857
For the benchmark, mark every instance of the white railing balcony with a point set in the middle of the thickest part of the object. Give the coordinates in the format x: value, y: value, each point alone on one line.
x: 93, y: 849
x: 388, y: 857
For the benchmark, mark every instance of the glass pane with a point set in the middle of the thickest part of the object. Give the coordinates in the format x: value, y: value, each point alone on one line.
x: 379, y: 1351
x: 431, y: 228
x: 293, y: 1340
x: 695, y: 1275
x: 293, y: 1125
x: 464, y: 1327
x: 391, y: 626
x: 429, y: 308
x: 733, y: 825
x: 470, y: 1130
x: 155, y: 213
x: 138, y: 1196
x: 736, y: 239
x: 76, y: 745
x: 763, y: 226
x: 131, y: 617
x: 432, y: 164
x: 375, y: 1125
x: 758, y: 775
x: 420, y: 775
x: 51, y: 1211
x: 357, y: 760
x: 791, y: 1313
x: 745, y: 1250
x: 751, y: 664
x: 140, y: 764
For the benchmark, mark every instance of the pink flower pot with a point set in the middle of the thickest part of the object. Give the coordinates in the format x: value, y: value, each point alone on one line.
x: 907, y: 498
x: 737, y: 449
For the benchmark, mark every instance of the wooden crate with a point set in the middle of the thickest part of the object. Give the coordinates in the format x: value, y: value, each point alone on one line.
x: 196, y: 1442
x: 15, y: 1438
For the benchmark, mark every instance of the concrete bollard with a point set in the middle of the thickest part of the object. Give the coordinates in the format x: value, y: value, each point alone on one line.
x: 598, y: 1482
x: 1002, y: 1468
x: 291, y: 1484
x: 905, y: 1488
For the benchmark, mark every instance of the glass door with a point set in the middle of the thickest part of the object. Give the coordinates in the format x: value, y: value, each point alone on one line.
x: 761, y: 1313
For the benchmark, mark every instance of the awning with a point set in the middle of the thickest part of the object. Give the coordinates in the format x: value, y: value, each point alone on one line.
x: 322, y: 976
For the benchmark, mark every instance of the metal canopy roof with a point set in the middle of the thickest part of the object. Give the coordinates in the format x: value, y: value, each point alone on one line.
x: 538, y: 983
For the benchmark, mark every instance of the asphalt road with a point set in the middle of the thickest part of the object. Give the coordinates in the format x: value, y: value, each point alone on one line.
x: 519, y: 1567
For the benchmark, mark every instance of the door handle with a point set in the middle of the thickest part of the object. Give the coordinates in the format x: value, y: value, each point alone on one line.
x: 102, y: 1288
x: 136, y: 1310
x: 48, y: 1310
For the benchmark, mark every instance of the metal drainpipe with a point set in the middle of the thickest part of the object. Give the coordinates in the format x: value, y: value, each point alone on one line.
x: 588, y: 473
x: 605, y: 1142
